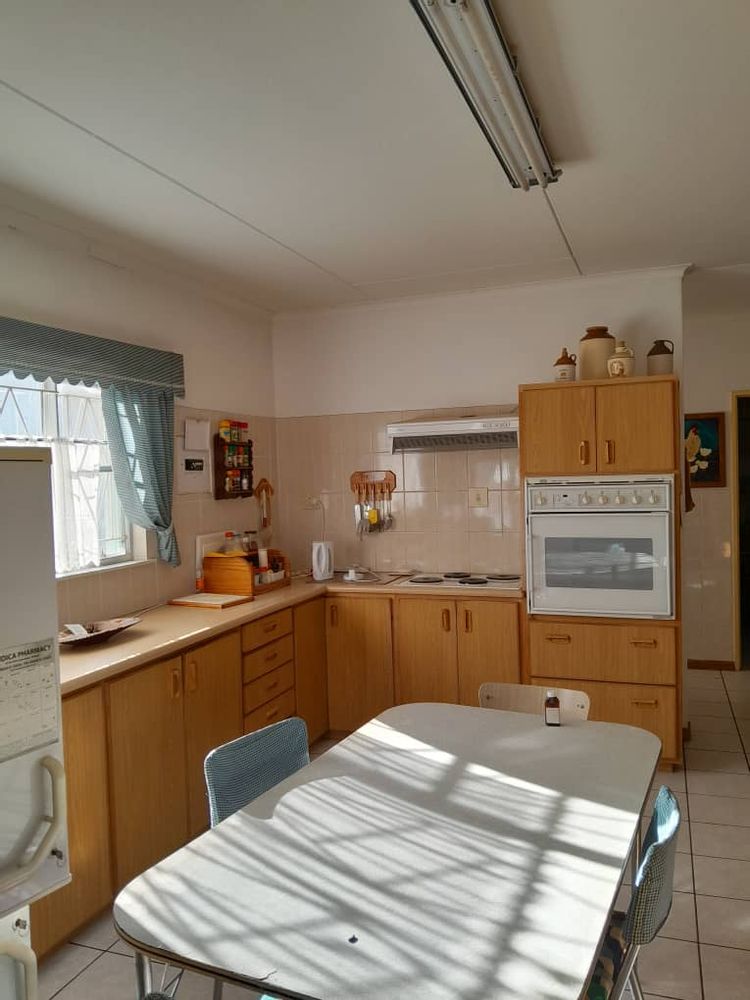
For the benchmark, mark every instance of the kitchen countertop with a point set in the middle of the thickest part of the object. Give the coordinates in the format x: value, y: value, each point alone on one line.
x: 169, y: 630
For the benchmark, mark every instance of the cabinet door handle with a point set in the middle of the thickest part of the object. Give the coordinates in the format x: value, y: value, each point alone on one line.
x: 648, y: 643
x: 334, y: 614
x: 176, y: 684
x: 583, y: 453
x: 270, y: 687
x: 609, y: 451
x: 192, y: 677
x: 558, y: 638
x: 271, y: 627
x: 645, y: 701
x: 468, y: 621
x: 273, y: 714
x: 270, y: 657
x: 446, y: 620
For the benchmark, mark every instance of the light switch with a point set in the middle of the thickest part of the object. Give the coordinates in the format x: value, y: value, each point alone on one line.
x: 478, y: 497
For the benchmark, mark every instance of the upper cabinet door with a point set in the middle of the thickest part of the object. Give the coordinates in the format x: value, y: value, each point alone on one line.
x: 557, y: 431
x: 636, y: 427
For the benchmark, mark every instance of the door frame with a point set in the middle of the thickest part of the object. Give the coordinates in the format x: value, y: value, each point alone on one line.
x: 734, y: 484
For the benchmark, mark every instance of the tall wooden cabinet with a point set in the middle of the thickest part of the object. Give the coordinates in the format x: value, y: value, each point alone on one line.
x: 360, y: 660
x: 54, y: 918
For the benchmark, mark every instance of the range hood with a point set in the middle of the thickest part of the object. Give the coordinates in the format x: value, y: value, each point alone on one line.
x: 452, y: 435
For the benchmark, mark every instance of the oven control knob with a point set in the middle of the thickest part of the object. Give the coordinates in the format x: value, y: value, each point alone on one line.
x: 636, y: 499
x: 652, y: 497
x: 603, y: 498
x: 541, y: 500
x: 619, y: 499
x: 585, y: 499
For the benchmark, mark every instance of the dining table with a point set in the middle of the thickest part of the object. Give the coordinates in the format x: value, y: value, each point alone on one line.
x: 439, y: 852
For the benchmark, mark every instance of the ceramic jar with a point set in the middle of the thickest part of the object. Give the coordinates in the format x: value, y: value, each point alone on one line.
x: 565, y: 367
x: 660, y: 358
x: 594, y: 350
x: 622, y: 362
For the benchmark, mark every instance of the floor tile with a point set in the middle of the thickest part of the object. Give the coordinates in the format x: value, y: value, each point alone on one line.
x: 121, y: 948
x: 700, y: 706
x: 726, y: 810
x: 743, y: 725
x: 709, y: 724
x: 724, y: 921
x: 681, y: 920
x: 715, y: 741
x: 713, y: 692
x: 100, y: 933
x: 672, y: 779
x: 716, y: 760
x: 726, y: 973
x: 703, y: 678
x: 715, y: 840
x: 721, y: 877
x: 717, y: 783
x: 670, y: 968
x: 61, y: 966
x: 741, y: 706
x: 736, y: 680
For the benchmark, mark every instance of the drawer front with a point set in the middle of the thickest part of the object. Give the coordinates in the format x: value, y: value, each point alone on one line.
x: 267, y: 687
x: 646, y: 706
x: 637, y: 654
x: 273, y: 711
x: 266, y: 629
x: 267, y: 658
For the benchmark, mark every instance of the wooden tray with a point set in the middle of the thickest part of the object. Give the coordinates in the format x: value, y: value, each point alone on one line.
x: 98, y: 632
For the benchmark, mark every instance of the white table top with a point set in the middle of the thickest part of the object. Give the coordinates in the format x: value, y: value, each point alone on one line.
x: 471, y: 853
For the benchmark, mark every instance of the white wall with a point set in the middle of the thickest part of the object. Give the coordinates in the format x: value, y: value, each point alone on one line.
x: 459, y: 349
x: 228, y: 355
x: 716, y: 344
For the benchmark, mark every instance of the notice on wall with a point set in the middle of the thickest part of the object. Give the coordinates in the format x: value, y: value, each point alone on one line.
x: 29, y: 701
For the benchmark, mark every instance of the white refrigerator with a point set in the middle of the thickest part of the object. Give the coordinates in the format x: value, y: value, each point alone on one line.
x: 33, y: 833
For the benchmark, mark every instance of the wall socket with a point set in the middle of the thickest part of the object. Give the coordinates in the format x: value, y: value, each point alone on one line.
x: 478, y: 497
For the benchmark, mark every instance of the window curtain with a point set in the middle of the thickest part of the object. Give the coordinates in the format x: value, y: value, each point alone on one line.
x: 140, y: 431
x: 139, y: 385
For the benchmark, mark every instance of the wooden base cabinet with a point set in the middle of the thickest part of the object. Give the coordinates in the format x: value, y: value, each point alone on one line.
x: 360, y: 660
x: 446, y: 649
x: 56, y: 917
x: 311, y: 671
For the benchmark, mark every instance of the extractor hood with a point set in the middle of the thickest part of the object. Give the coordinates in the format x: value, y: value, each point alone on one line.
x: 453, y: 435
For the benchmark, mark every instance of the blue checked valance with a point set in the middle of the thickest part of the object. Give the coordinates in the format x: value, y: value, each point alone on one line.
x: 47, y: 352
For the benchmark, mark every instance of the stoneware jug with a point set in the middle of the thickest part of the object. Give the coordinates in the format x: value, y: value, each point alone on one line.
x: 660, y: 359
x: 622, y: 362
x: 565, y: 367
x: 594, y: 350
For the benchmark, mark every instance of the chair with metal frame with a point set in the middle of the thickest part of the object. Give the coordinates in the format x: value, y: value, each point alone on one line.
x: 650, y: 903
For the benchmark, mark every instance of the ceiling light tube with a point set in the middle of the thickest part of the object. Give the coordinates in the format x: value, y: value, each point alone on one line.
x: 468, y: 36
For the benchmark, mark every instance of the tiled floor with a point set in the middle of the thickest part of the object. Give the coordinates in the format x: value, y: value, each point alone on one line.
x: 703, y: 951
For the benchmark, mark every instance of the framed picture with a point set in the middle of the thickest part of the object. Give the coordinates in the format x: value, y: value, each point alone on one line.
x: 705, y: 446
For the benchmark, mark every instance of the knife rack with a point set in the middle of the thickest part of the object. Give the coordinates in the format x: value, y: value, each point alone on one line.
x: 372, y: 491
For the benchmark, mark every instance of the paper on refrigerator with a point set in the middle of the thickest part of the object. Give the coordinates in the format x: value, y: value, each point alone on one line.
x: 29, y: 703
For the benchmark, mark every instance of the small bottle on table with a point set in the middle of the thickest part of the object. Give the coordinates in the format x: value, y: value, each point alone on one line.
x: 551, y: 709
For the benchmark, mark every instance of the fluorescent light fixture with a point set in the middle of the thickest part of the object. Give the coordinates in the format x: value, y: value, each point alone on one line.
x: 468, y: 36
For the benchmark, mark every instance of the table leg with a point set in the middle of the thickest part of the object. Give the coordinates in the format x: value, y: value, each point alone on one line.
x: 142, y: 976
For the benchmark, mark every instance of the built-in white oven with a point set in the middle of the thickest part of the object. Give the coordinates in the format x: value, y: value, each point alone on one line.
x: 600, y: 546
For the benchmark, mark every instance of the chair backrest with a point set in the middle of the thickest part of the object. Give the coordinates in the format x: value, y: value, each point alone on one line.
x: 651, y: 900
x: 530, y: 698
x: 240, y: 771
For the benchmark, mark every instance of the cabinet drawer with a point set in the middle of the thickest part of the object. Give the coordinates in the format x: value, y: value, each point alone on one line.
x: 269, y: 686
x: 646, y: 706
x: 266, y: 629
x: 267, y: 658
x: 273, y: 711
x: 640, y: 654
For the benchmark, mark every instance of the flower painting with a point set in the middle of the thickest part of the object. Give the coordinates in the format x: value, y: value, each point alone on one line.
x: 704, y: 449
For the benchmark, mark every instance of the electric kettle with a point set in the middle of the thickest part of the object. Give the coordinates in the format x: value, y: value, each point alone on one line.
x: 322, y: 560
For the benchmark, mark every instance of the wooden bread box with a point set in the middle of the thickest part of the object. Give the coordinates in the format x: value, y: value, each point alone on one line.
x: 234, y: 573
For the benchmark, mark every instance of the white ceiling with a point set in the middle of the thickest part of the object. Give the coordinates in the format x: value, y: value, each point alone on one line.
x: 299, y: 153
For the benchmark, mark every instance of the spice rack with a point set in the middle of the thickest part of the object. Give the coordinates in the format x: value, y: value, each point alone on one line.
x: 233, y: 462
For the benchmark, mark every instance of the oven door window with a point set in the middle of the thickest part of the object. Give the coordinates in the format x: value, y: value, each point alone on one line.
x: 599, y: 563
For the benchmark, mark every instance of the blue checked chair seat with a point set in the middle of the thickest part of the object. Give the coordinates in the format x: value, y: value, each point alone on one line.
x: 650, y: 903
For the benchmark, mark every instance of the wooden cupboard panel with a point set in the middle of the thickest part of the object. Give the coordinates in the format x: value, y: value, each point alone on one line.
x: 310, y: 666
x: 426, y: 651
x: 265, y: 629
x: 148, y: 796
x: 557, y: 433
x: 643, y: 654
x: 645, y: 706
x: 488, y: 646
x: 267, y: 658
x: 57, y: 916
x: 273, y: 711
x: 213, y: 714
x: 636, y: 427
x: 360, y: 660
x: 267, y: 687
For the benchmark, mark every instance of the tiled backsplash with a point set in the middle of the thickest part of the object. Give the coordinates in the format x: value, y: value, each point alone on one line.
x: 434, y: 529
x: 117, y: 591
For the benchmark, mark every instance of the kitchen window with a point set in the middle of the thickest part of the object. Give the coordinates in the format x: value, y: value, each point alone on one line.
x: 90, y: 527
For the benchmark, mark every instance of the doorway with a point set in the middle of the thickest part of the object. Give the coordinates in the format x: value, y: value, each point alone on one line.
x: 741, y: 500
